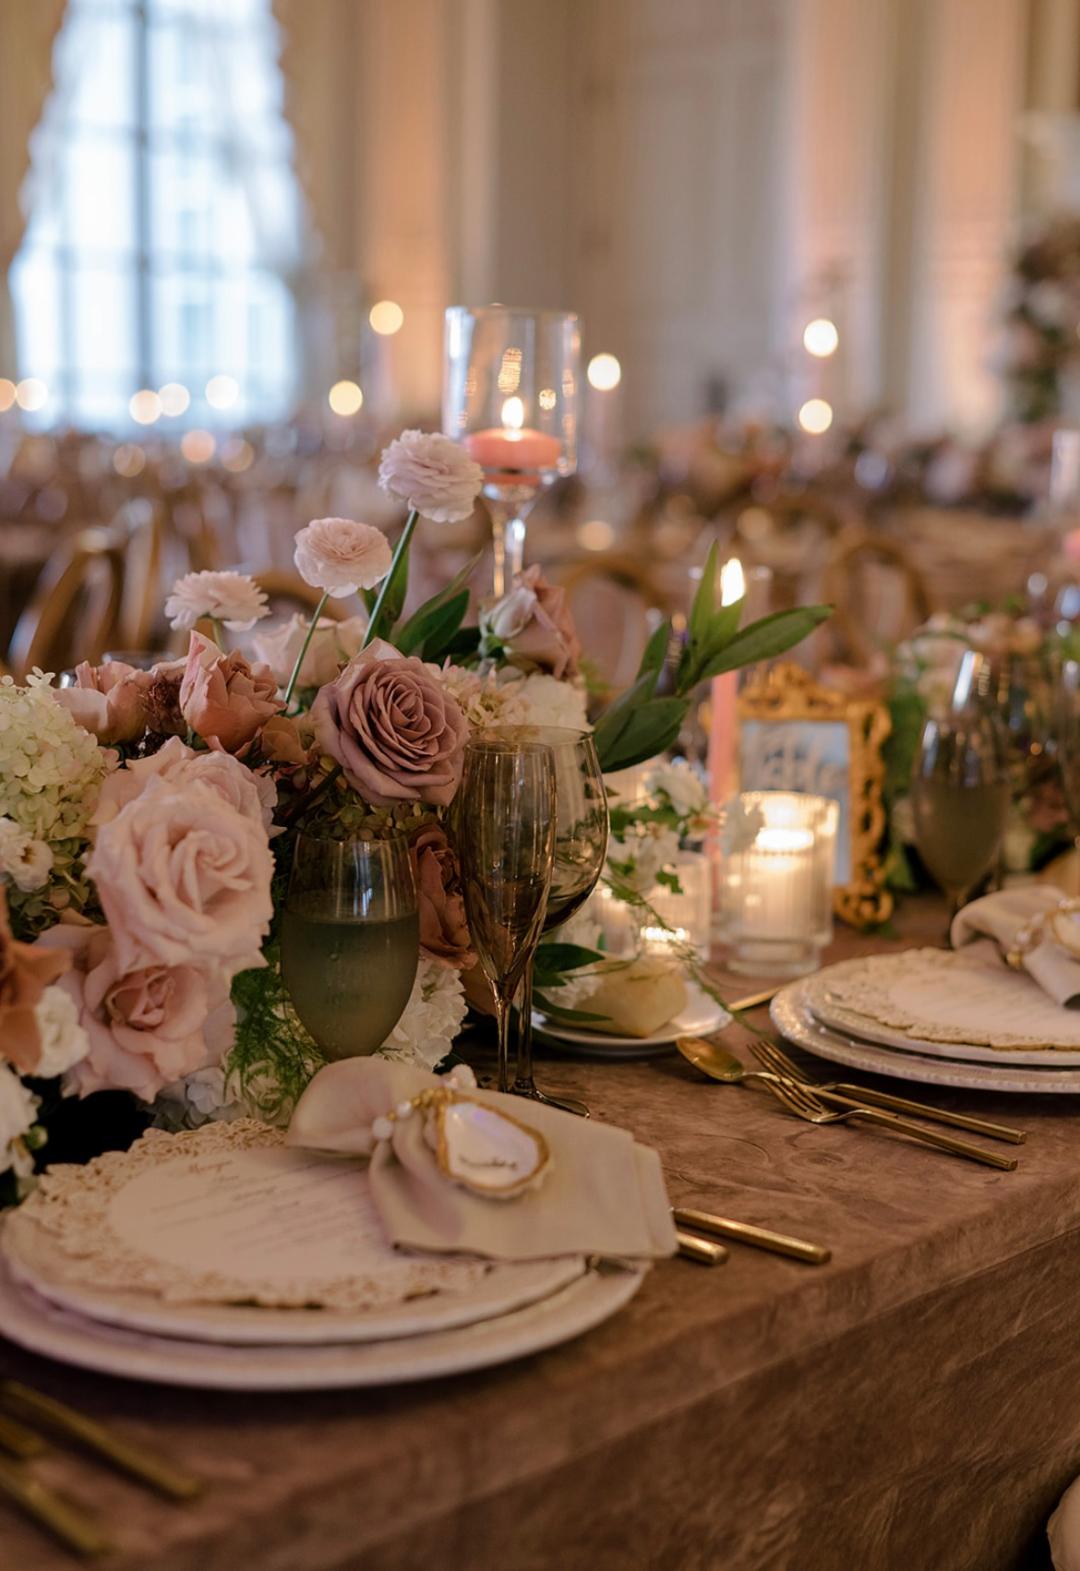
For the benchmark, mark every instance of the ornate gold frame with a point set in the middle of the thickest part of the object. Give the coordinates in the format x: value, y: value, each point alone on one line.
x: 787, y: 692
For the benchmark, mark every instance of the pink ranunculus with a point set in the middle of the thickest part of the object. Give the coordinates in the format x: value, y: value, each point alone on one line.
x: 184, y: 879
x: 433, y: 474
x: 341, y: 556
x: 148, y: 1025
x: 223, y: 699
x: 110, y: 701
x: 394, y: 729
x: 534, y: 624
x: 232, y: 598
x: 444, y: 931
x: 251, y: 793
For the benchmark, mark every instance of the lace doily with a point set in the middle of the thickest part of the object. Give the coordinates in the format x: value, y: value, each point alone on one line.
x: 967, y: 997
x: 84, y: 1225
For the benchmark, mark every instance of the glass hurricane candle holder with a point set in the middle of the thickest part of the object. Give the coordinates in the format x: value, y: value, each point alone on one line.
x: 776, y: 882
x: 510, y: 396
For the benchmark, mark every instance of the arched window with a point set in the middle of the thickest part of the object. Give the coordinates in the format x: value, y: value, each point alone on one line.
x: 165, y: 230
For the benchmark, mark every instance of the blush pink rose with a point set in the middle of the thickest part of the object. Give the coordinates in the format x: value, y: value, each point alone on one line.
x: 251, y: 793
x: 184, y: 879
x: 444, y: 931
x: 534, y: 625
x: 110, y: 701
x: 147, y: 1026
x: 223, y: 699
x: 394, y: 729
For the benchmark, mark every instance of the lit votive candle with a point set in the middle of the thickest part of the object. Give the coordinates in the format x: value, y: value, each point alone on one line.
x: 776, y: 889
x: 514, y: 446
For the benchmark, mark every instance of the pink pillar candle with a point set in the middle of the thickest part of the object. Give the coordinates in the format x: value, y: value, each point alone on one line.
x: 723, y: 692
x: 503, y: 448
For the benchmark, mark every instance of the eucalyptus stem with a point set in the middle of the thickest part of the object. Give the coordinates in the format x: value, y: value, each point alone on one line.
x: 312, y: 625
x: 374, y: 627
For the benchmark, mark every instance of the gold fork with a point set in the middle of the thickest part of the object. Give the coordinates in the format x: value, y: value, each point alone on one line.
x: 773, y: 1057
x: 799, y: 1099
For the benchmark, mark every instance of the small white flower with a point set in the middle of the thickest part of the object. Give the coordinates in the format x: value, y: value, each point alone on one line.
x: 14, y: 844
x: 32, y: 869
x: 231, y: 598
x: 18, y: 1111
x: 341, y: 556
x: 545, y: 701
x: 740, y: 828
x: 681, y: 784
x: 432, y: 1019
x: 63, y: 1040
x: 433, y: 474
x: 504, y: 619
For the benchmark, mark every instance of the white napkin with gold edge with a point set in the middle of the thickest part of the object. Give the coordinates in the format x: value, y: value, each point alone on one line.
x: 603, y: 1194
x: 1001, y: 916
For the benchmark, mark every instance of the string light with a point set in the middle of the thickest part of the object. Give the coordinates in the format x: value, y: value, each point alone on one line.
x: 386, y: 317
x: 197, y: 446
x: 7, y: 394
x: 604, y: 373
x: 31, y: 393
x: 144, y: 407
x: 547, y: 398
x: 345, y: 398
x: 174, y: 397
x: 222, y: 391
x: 815, y: 416
x: 821, y: 338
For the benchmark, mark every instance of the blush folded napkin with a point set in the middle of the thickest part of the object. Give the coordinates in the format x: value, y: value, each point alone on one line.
x: 603, y: 1194
x: 1001, y: 916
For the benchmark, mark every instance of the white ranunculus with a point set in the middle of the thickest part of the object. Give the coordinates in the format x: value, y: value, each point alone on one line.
x: 18, y: 1111
x: 341, y: 556
x: 64, y: 1043
x: 545, y: 701
x: 431, y: 474
x: 332, y: 645
x: 231, y: 598
x: 432, y: 1019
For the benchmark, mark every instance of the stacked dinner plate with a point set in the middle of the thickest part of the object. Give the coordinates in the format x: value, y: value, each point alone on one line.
x: 955, y: 1018
x: 220, y: 1257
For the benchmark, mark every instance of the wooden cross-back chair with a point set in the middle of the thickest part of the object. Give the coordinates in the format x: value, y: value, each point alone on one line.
x: 287, y: 592
x: 140, y: 529
x: 73, y: 612
x: 615, y: 602
x: 879, y: 595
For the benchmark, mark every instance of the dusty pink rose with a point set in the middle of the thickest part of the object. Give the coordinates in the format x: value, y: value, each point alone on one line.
x: 533, y: 624
x: 110, y: 701
x: 341, y: 556
x: 146, y: 1026
x: 184, y: 879
x: 444, y: 932
x: 223, y: 699
x: 433, y: 474
x: 394, y: 729
x: 249, y: 792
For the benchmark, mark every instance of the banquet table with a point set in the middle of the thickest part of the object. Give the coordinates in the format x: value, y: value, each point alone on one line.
x: 914, y: 1404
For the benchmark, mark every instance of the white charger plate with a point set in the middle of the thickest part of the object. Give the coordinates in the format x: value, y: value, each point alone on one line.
x: 794, y: 1018
x: 41, y: 1327
x: 701, y: 1015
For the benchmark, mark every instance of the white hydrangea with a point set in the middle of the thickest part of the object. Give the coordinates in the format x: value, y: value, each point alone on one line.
x: 543, y: 700
x: 432, y: 1019
x: 481, y: 699
x: 205, y: 1096
x: 18, y: 1112
x: 63, y: 1040
x: 50, y: 768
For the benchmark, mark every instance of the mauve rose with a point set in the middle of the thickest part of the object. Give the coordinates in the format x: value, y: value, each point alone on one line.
x: 26, y: 970
x: 108, y: 700
x: 147, y: 1026
x: 223, y: 699
x: 394, y: 729
x: 184, y: 879
x: 251, y: 793
x: 533, y: 623
x: 444, y: 932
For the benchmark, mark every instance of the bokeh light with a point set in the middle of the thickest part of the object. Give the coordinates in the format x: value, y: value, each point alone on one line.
x: 175, y: 398
x: 31, y: 393
x: 345, y: 398
x: 144, y: 407
x: 604, y: 373
x: 222, y: 391
x: 7, y: 394
x: 821, y: 338
x: 815, y: 416
x: 237, y: 455
x: 386, y: 317
x: 129, y: 460
x: 596, y: 534
x: 197, y: 446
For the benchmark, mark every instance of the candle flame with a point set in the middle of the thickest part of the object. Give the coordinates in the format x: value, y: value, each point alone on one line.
x: 513, y: 414
x: 732, y: 582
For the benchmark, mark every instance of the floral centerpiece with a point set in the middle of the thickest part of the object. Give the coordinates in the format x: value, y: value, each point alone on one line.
x: 147, y: 817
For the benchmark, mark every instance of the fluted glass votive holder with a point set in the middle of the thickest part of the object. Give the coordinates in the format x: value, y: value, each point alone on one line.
x: 776, y: 880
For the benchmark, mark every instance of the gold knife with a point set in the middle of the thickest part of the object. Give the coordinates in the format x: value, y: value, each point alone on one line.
x: 701, y: 1250
x: 158, y: 1474
x: 66, y: 1521
x: 757, y: 1237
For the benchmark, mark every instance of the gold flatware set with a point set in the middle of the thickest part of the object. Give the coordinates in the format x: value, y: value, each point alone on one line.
x: 26, y: 1418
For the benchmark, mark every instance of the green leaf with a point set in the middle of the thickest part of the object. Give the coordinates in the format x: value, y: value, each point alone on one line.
x: 415, y: 630
x: 656, y: 650
x: 704, y: 607
x: 764, y: 639
x: 443, y: 625
x: 565, y: 957
x: 721, y: 630
x: 615, y: 718
x: 463, y: 647
x: 646, y: 731
x: 560, y: 1012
